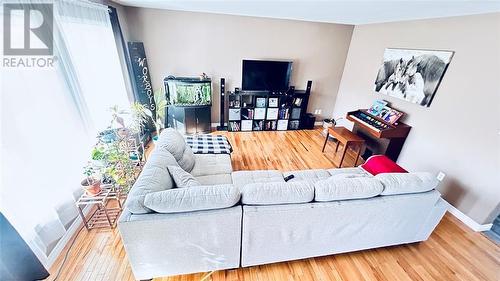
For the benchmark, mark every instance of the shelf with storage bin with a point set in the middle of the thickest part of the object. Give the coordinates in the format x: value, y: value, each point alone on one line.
x: 262, y: 111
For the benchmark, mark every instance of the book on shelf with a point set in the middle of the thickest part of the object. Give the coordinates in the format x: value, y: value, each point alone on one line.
x: 247, y: 114
x: 234, y: 126
x: 283, y: 113
x: 258, y: 125
x: 270, y: 125
x: 297, y: 102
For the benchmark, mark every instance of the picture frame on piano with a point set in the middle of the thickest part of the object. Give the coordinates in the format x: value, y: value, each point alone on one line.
x: 392, y: 115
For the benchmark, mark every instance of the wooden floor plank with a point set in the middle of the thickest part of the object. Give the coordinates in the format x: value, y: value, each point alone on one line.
x: 453, y: 251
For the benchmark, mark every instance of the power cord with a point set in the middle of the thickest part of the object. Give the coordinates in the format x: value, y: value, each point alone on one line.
x: 208, y: 275
x: 67, y: 252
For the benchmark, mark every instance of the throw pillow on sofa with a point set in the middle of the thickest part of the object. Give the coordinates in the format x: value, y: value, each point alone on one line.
x: 181, y: 177
x: 273, y: 193
x: 194, y: 198
x: 337, y: 188
x: 154, y: 177
x: 401, y: 183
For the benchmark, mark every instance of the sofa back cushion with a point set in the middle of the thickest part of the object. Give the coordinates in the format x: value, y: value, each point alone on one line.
x: 194, y: 198
x: 154, y: 177
x: 344, y: 188
x: 402, y: 183
x: 273, y: 193
x: 174, y: 142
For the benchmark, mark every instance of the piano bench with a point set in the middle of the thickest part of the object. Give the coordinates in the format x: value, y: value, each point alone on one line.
x: 347, y: 138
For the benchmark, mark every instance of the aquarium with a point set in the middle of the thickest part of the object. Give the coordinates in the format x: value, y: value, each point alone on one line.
x: 183, y: 91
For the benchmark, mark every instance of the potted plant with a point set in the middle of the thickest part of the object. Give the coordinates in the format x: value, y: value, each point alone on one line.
x: 161, y: 105
x: 92, y: 183
x: 120, y: 167
x: 98, y: 155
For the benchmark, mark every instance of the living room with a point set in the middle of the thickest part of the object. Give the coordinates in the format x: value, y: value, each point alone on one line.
x: 250, y: 140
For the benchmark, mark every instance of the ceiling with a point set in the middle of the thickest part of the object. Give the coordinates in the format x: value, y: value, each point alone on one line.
x: 332, y: 11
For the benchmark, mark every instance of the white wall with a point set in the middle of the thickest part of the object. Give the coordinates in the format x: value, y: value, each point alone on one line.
x: 459, y: 133
x: 187, y: 44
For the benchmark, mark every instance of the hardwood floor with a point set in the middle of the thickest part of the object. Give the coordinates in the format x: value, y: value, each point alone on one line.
x: 453, y: 252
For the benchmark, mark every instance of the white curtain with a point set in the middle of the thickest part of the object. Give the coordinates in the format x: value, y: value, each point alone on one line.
x: 49, y: 118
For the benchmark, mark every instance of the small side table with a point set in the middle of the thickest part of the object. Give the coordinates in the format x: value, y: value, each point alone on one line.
x: 103, y: 216
x: 347, y: 138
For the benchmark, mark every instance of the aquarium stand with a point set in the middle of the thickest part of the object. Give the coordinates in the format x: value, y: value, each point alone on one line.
x: 189, y: 120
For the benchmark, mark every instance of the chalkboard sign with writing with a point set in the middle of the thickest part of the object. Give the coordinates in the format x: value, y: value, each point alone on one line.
x: 143, y: 89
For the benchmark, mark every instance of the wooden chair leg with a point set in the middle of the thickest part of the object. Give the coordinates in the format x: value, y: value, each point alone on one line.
x: 343, y: 154
x: 357, y: 156
x: 337, y: 146
x: 326, y: 140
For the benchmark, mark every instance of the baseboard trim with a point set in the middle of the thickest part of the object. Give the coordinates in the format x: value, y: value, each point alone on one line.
x: 472, y: 224
x: 56, y: 252
x: 215, y: 125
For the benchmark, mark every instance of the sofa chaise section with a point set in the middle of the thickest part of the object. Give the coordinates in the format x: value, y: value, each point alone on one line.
x: 167, y: 230
x: 182, y: 243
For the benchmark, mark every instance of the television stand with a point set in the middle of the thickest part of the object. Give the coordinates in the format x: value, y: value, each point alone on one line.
x: 265, y: 111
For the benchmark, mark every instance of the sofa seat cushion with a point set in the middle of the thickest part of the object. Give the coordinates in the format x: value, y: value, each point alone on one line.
x: 174, y: 142
x: 215, y: 179
x: 194, y: 198
x: 242, y: 178
x: 274, y: 193
x: 154, y: 177
x: 402, y: 183
x: 338, y: 188
x: 352, y: 171
x: 311, y: 176
x: 211, y: 164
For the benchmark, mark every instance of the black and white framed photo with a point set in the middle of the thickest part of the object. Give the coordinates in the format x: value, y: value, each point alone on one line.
x: 412, y: 75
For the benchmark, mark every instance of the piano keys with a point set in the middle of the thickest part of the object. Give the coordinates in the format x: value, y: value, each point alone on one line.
x: 381, y: 137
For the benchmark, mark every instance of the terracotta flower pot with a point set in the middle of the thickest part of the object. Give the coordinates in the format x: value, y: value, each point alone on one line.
x: 93, y: 188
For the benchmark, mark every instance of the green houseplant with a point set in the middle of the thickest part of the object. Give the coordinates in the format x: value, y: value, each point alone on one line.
x: 92, y: 182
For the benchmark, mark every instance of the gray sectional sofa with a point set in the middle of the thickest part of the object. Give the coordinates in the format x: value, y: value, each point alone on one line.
x: 247, y: 218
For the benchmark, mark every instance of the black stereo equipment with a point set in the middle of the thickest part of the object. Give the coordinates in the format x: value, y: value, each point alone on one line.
x: 308, y: 88
x: 308, y: 121
x: 222, y: 109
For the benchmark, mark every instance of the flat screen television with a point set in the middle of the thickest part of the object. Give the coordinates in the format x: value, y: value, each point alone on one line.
x: 261, y: 75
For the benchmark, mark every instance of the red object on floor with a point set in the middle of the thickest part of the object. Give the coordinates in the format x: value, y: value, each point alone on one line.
x: 379, y: 164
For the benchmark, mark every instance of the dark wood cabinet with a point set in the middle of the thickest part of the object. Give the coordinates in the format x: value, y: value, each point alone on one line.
x: 189, y: 119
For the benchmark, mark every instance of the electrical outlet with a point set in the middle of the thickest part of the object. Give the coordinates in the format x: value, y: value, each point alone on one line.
x: 441, y: 176
x: 317, y: 111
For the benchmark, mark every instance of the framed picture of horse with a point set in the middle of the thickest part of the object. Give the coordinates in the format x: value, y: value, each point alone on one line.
x: 412, y: 75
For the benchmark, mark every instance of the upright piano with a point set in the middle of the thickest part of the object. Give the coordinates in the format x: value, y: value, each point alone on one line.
x: 381, y: 137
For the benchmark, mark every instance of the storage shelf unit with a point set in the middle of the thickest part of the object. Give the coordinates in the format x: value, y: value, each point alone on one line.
x: 261, y: 111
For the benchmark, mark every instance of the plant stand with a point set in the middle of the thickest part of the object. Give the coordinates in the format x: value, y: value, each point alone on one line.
x: 103, y: 216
